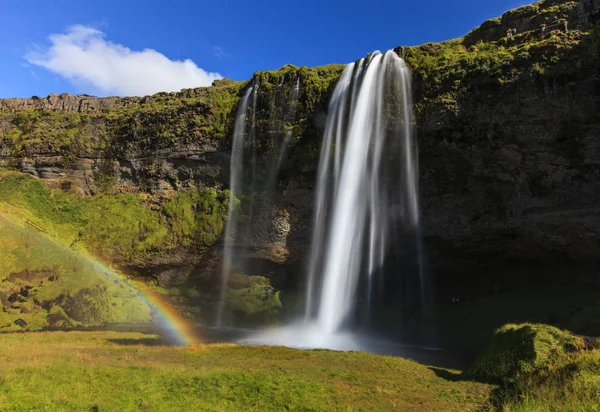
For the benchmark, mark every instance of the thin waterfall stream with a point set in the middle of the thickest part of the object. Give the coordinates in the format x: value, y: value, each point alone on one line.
x: 255, y: 186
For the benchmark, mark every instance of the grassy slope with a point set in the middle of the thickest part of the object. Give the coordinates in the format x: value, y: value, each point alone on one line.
x: 123, y: 371
x: 571, y: 386
x: 72, y: 275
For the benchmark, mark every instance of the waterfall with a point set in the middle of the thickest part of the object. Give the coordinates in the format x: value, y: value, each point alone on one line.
x: 285, y: 145
x: 364, y: 186
x: 253, y: 174
x: 366, y: 202
x: 235, y: 180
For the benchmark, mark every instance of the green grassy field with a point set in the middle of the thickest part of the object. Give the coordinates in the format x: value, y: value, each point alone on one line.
x: 114, y: 371
x: 127, y: 371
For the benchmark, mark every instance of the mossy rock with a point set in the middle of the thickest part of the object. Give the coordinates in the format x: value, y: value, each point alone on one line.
x: 89, y: 306
x: 59, y: 319
x: 253, y: 301
x: 523, y: 349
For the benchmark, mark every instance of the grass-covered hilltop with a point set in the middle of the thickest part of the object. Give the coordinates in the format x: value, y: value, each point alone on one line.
x: 110, y: 204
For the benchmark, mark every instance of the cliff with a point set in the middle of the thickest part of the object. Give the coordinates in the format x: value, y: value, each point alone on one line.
x: 508, y: 131
x: 507, y: 117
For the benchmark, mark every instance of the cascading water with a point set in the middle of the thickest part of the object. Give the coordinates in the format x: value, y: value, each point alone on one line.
x: 285, y: 144
x: 235, y: 180
x: 253, y: 175
x: 367, y: 187
x: 367, y: 193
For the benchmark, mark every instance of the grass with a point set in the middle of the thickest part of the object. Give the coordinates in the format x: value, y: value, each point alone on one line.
x: 572, y: 385
x: 111, y: 371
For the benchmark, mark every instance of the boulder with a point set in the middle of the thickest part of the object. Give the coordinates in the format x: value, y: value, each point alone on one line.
x: 21, y: 323
x: 523, y: 349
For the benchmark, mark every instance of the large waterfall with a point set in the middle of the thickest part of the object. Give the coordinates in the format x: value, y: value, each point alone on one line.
x: 366, y: 201
x: 367, y: 181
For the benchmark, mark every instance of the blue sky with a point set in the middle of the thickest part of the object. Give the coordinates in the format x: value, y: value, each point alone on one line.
x: 98, y: 46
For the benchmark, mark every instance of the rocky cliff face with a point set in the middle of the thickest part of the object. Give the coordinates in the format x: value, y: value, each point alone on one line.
x: 509, y: 139
x: 508, y: 126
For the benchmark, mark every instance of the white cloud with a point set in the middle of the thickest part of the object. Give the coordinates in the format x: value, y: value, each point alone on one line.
x: 85, y: 57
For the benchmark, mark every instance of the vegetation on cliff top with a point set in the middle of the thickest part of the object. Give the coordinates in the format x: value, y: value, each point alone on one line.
x: 193, y: 117
x: 201, y: 118
x: 496, y: 53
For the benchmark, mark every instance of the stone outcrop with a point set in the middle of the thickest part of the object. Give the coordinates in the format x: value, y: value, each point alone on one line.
x: 539, y: 17
x: 65, y: 103
x: 83, y: 103
x: 163, y: 172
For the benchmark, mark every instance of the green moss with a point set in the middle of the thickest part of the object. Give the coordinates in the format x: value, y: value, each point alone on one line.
x: 119, y: 226
x: 122, y: 226
x: 89, y: 306
x: 525, y: 349
x: 278, y: 113
x: 58, y: 318
x: 197, y: 217
x: 572, y: 385
x: 252, y: 300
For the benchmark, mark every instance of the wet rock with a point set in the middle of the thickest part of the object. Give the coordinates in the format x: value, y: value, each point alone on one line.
x: 13, y: 298
x: 21, y: 323
x: 173, y: 276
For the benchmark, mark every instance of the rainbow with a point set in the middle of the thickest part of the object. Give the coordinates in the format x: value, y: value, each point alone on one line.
x: 179, y: 329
